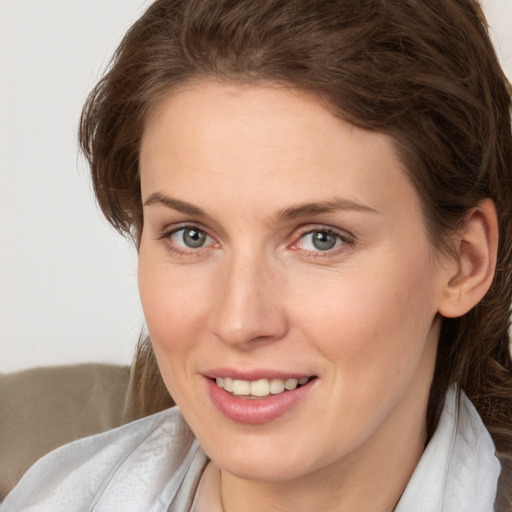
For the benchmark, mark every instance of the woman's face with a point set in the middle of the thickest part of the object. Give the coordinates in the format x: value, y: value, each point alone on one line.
x: 282, y: 244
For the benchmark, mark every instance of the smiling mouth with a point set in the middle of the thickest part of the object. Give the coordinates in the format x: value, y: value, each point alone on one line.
x: 260, y: 388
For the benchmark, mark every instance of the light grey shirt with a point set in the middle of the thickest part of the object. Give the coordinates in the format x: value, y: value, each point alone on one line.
x: 155, y: 465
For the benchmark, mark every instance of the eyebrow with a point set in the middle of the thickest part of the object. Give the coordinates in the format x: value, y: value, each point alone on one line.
x: 293, y: 212
x: 335, y: 204
x: 175, y: 204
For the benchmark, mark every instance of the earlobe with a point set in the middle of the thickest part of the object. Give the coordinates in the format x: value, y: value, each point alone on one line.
x: 472, y: 271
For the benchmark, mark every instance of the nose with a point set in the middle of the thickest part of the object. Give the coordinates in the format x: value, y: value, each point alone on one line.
x: 248, y: 309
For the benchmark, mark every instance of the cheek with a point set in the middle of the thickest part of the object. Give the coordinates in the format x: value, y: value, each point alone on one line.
x: 173, y: 306
x: 374, y: 331
x: 371, y: 324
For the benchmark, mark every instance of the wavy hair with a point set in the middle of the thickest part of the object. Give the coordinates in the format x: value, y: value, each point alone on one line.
x: 424, y: 72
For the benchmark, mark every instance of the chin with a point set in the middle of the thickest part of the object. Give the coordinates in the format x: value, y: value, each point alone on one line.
x: 266, y: 457
x: 262, y: 470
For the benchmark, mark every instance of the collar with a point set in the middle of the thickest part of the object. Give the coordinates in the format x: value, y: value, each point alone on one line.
x: 459, y: 469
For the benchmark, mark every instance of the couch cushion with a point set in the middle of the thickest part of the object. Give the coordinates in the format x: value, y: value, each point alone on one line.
x: 44, y: 408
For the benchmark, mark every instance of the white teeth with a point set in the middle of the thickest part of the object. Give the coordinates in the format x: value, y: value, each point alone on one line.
x: 276, y: 386
x: 291, y: 384
x: 228, y: 384
x: 241, y: 387
x: 261, y: 387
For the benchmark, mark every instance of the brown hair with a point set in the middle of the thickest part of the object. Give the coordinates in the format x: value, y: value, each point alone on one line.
x: 424, y: 72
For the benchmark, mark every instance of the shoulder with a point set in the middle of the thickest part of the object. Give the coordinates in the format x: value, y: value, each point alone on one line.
x: 79, y: 475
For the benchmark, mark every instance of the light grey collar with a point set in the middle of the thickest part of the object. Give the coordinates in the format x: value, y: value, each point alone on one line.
x: 458, y: 470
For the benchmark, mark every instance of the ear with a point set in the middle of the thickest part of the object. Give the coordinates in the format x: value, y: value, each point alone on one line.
x: 472, y: 266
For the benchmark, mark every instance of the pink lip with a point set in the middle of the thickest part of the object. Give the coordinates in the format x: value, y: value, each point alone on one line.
x: 255, y: 374
x: 255, y: 411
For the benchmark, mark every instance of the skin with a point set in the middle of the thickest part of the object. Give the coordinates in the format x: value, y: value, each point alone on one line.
x: 362, y: 317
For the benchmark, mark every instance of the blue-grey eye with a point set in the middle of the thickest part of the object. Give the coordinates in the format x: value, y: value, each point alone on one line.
x: 190, y: 238
x: 320, y: 240
x: 194, y: 238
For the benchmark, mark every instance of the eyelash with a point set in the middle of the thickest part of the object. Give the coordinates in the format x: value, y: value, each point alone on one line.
x: 344, y: 239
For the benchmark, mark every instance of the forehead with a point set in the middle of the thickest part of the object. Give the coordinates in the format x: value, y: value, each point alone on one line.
x: 270, y: 142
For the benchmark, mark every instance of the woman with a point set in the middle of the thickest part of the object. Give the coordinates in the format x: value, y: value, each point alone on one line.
x: 320, y: 194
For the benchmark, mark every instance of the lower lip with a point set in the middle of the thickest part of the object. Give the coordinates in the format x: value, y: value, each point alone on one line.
x: 259, y: 410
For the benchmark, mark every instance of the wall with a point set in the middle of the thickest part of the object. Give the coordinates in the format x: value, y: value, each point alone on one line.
x: 68, y: 282
x: 68, y: 290
x: 499, y: 16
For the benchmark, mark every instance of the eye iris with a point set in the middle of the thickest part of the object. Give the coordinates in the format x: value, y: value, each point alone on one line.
x: 194, y: 237
x: 323, y: 240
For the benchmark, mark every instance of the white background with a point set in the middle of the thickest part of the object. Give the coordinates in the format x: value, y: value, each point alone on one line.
x: 68, y: 288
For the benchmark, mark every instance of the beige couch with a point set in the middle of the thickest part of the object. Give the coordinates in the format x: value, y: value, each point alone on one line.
x: 43, y: 408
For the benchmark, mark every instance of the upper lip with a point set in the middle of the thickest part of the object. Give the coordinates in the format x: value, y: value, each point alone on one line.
x: 254, y: 374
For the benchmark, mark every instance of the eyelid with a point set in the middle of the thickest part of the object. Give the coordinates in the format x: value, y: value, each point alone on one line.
x: 169, y: 229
